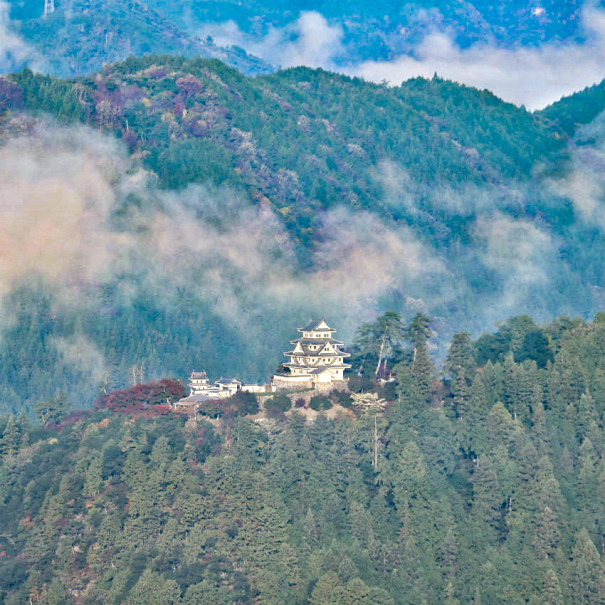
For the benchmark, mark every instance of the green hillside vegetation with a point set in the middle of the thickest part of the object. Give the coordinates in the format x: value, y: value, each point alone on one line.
x: 483, y: 484
x: 576, y: 110
x: 430, y: 158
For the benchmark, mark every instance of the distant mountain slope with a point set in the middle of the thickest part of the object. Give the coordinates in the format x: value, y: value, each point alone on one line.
x: 83, y: 35
x: 303, y: 139
x: 380, y: 30
x: 182, y: 205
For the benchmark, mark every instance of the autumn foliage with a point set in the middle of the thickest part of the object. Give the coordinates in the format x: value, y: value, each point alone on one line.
x: 149, y: 399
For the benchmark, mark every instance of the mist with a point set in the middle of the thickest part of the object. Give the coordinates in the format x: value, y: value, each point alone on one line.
x: 15, y: 52
x: 218, y: 279
x: 530, y: 76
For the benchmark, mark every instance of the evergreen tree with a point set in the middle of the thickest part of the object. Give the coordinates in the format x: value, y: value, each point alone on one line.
x: 460, y: 357
x: 587, y: 584
x: 11, y: 437
x: 551, y: 591
x: 547, y: 536
x: 487, y: 498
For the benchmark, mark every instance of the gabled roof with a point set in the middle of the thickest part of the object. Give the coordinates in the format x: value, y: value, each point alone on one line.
x: 227, y: 381
x: 316, y: 325
x: 315, y: 341
x: 320, y: 353
x: 198, y: 376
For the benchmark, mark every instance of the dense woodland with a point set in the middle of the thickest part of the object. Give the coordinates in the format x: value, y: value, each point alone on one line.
x: 429, y: 160
x: 483, y: 483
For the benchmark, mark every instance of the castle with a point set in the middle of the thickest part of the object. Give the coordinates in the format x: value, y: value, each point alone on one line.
x: 316, y: 362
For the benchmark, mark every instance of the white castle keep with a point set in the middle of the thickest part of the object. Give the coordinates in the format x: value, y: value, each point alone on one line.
x: 315, y: 362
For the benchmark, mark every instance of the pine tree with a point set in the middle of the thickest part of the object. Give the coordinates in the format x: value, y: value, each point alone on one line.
x: 547, y: 535
x: 450, y: 595
x: 153, y: 589
x: 11, y: 438
x: 587, y: 419
x: 329, y: 590
x: 422, y: 372
x: 539, y: 431
x: 487, y: 498
x: 460, y: 357
x: 461, y: 393
x: 551, y: 591
x: 587, y: 584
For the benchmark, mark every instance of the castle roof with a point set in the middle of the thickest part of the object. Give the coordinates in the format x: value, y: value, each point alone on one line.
x: 336, y: 353
x: 316, y: 341
x: 292, y: 364
x: 316, y: 325
x: 198, y: 376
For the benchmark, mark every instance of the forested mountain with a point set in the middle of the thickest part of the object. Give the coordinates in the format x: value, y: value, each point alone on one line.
x: 485, y: 484
x: 174, y: 205
x: 80, y: 36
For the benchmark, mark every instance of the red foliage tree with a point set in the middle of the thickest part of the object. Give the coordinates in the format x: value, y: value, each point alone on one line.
x: 149, y: 399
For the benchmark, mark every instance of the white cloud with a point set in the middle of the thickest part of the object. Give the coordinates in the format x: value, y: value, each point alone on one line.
x: 584, y: 184
x: 521, y: 255
x: 60, y: 188
x: 14, y: 51
x: 530, y: 76
x: 310, y: 41
x: 534, y: 77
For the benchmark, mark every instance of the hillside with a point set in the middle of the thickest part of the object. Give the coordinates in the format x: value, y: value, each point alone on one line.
x: 175, y: 205
x: 482, y: 485
x: 81, y: 36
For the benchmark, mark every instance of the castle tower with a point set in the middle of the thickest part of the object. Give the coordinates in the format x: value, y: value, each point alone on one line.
x: 316, y: 359
x: 198, y: 383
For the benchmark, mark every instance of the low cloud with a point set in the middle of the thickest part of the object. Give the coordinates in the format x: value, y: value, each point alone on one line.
x: 521, y: 256
x: 64, y: 193
x: 83, y: 355
x: 14, y: 51
x: 530, y: 76
x: 56, y: 194
x: 67, y: 216
x: 584, y: 184
x: 310, y: 41
x: 534, y: 77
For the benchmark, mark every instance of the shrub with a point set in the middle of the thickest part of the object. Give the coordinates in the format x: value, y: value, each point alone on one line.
x: 244, y: 403
x: 319, y: 403
x: 343, y: 398
x: 277, y: 404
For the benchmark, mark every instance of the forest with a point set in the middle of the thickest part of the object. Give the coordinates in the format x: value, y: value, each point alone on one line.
x: 482, y: 482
